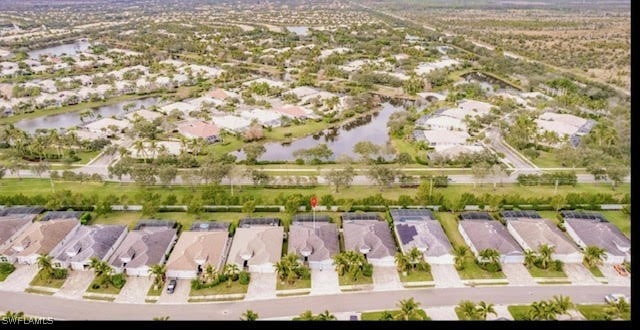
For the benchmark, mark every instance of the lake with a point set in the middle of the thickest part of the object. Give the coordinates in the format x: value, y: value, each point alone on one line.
x: 71, y: 119
x: 299, y: 30
x: 340, y: 140
x: 68, y: 49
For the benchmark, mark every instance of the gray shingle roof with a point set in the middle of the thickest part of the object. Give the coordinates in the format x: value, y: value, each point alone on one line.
x: 601, y: 234
x: 490, y: 234
x: 372, y: 234
x: 11, y: 224
x: 322, y: 240
x: 90, y: 241
x: 425, y: 233
x: 145, y: 246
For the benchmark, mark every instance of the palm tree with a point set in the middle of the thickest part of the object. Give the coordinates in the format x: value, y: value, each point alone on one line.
x: 489, y: 256
x: 305, y: 316
x: 594, y: 256
x: 100, y: 267
x: 562, y: 304
x: 415, y: 257
x: 231, y: 270
x: 45, y: 264
x: 249, y: 315
x: 546, y: 255
x: 542, y: 310
x: 468, y: 310
x: 138, y: 146
x: 209, y: 273
x: 325, y: 316
x: 386, y: 316
x: 158, y: 271
x: 617, y: 308
x: 402, y: 262
x: 530, y: 258
x: 485, y: 309
x: 408, y: 310
x: 460, y: 253
x: 341, y: 263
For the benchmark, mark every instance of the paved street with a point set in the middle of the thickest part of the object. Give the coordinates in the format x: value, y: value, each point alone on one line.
x: 345, y: 302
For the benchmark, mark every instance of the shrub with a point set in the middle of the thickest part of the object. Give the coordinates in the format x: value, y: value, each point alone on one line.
x: 492, y: 267
x: 118, y: 280
x: 85, y: 218
x: 196, y: 284
x: 367, y: 270
x: 557, y: 265
x: 95, y: 286
x: 59, y: 273
x: 6, y: 267
x: 244, y: 278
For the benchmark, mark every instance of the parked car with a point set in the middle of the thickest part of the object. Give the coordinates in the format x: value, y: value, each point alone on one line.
x: 171, y: 287
x: 621, y: 270
x: 614, y: 297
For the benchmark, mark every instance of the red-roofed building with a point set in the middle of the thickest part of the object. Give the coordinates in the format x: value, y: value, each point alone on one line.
x: 221, y: 94
x: 198, y: 129
x: 292, y: 111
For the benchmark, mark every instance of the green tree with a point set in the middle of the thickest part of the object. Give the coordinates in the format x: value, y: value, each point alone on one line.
x: 484, y: 309
x: 545, y: 255
x: 249, y: 315
x: 249, y: 206
x: 253, y: 151
x: 460, y: 254
x: 341, y: 178
x: 593, y: 256
x: 467, y: 309
x: 386, y: 316
x: 408, y: 310
x: 45, y: 264
x: 617, y: 308
x: 158, y: 272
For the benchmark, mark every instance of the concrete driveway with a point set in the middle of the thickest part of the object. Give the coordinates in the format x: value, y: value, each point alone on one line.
x: 501, y: 311
x: 613, y: 277
x: 517, y: 274
x: 179, y: 296
x: 442, y: 313
x: 20, y: 278
x: 579, y: 274
x: 324, y: 282
x: 135, y: 290
x: 386, y: 278
x: 262, y: 286
x: 76, y: 284
x: 446, y: 276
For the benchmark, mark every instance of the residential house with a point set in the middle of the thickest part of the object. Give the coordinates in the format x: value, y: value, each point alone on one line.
x: 99, y: 241
x: 194, y: 129
x: 593, y: 229
x: 206, y: 243
x: 257, y: 244
x: 480, y: 231
x: 370, y: 235
x: 314, y: 239
x: 12, y: 225
x: 418, y: 228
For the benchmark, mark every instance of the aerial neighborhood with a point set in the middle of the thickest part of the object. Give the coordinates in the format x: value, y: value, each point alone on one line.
x: 315, y: 160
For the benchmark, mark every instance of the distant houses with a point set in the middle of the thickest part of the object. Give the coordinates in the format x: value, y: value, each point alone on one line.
x: 194, y: 129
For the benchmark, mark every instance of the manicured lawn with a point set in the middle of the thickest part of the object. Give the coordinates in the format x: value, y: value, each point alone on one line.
x: 416, y: 276
x: 221, y: 288
x: 450, y: 225
x: 299, y: 284
x: 547, y: 159
x: 597, y: 312
x: 551, y: 215
x: 348, y: 280
x: 39, y: 280
x: 375, y: 316
x: 595, y: 271
x: 85, y: 157
x: 620, y: 220
x: 153, y: 292
x: 6, y: 269
x: 472, y: 271
x: 519, y: 312
x: 103, y: 289
x: 549, y: 272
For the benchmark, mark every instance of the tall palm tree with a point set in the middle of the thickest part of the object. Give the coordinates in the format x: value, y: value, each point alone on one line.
x: 468, y: 310
x: 158, y: 271
x: 530, y: 258
x: 617, y: 308
x: 562, y: 304
x: 325, y: 316
x: 249, y: 315
x: 402, y: 262
x: 460, y: 254
x: 138, y: 146
x: 408, y: 310
x: 489, y: 256
x: 305, y: 316
x: 485, y: 309
x: 100, y: 267
x: 415, y: 257
x: 282, y: 269
x: 546, y: 255
x: 45, y: 263
x: 594, y: 256
x: 542, y: 310
x: 386, y: 316
x: 341, y: 263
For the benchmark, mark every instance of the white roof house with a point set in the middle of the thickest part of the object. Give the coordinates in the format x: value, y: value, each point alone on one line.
x: 180, y: 106
x: 144, y: 114
x: 303, y: 91
x: 531, y: 233
x: 425, y: 68
x: 445, y: 137
x: 148, y: 151
x: 270, y: 82
x: 562, y: 124
x: 231, y: 123
x: 473, y: 107
x: 445, y: 122
x: 264, y: 117
x: 449, y: 151
x: 105, y: 124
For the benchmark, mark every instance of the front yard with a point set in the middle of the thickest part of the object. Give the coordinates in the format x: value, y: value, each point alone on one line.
x: 221, y: 288
x: 108, y: 288
x: 416, y: 276
x: 597, y: 312
x: 549, y: 272
x: 347, y: 279
x: 41, y: 279
x: 6, y: 269
x: 375, y: 316
x: 472, y: 271
x: 298, y: 284
x: 519, y: 312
